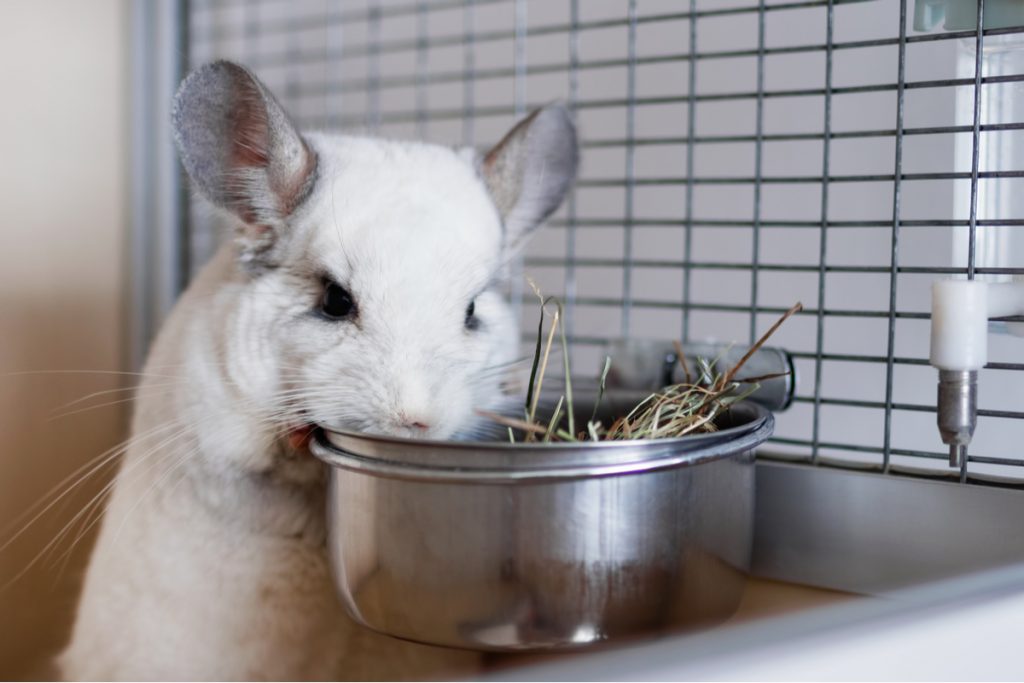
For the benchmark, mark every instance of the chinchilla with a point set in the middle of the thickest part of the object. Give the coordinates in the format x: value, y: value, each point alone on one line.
x: 360, y: 292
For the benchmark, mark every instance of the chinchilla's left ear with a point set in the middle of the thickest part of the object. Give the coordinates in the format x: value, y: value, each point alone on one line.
x: 241, y: 150
x: 531, y: 170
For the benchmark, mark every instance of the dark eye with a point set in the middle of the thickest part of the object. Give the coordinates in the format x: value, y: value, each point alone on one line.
x: 472, y: 322
x: 336, y: 303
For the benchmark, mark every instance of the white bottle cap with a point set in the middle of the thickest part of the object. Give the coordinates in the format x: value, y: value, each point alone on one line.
x: 959, y: 324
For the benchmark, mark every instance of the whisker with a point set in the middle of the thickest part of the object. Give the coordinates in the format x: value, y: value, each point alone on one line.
x: 121, y: 373
x: 153, y: 487
x: 48, y: 548
x: 104, y: 392
x: 92, y: 466
x: 139, y: 461
x: 97, y: 406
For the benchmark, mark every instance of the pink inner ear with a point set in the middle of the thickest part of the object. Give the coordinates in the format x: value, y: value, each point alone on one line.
x: 288, y: 171
x: 252, y: 132
x: 250, y: 135
x: 239, y: 146
x: 294, y: 187
x: 502, y: 167
x: 495, y: 153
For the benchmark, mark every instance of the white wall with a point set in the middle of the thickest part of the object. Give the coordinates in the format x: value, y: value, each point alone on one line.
x: 62, y: 210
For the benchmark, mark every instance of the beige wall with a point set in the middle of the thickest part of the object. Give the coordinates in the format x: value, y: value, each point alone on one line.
x: 62, y: 225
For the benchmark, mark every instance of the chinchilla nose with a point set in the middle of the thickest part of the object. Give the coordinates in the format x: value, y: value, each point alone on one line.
x: 413, y: 410
x: 415, y: 423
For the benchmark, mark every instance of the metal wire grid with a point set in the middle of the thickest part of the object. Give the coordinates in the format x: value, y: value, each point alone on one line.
x: 391, y: 67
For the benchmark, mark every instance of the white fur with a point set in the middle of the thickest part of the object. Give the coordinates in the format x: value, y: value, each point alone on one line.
x: 211, y: 561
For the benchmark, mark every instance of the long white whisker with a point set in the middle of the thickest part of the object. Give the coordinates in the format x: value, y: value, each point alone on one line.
x: 134, y: 387
x: 64, y: 530
x: 120, y: 373
x: 96, y: 406
x: 153, y: 487
x: 77, y: 477
x: 94, y: 517
x: 182, y: 430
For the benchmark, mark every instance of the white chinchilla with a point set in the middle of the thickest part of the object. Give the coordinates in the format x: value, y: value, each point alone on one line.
x: 359, y: 294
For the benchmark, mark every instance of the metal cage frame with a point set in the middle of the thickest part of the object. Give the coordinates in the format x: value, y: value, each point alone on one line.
x: 178, y: 27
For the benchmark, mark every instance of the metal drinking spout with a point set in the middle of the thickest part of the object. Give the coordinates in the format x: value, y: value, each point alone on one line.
x: 961, y: 310
x: 958, y: 411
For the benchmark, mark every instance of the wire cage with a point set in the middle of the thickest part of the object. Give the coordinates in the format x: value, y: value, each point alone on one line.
x: 738, y: 156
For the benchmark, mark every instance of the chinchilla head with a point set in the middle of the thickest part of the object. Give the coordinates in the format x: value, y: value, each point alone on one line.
x: 367, y: 269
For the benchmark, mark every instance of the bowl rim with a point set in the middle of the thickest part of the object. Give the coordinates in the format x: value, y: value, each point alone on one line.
x: 505, y: 462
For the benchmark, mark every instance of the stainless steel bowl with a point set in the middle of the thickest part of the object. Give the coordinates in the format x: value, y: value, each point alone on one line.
x: 500, y: 546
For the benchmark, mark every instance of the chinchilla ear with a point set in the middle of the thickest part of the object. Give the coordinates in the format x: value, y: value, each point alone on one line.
x: 530, y: 171
x: 241, y: 149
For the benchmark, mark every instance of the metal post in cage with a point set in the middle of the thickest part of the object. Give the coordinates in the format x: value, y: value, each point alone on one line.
x: 664, y: 125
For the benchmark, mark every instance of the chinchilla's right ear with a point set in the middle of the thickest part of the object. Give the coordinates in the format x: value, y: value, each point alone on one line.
x: 531, y: 170
x: 242, y: 151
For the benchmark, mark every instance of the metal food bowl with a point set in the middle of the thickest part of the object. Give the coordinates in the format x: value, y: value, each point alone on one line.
x: 502, y: 546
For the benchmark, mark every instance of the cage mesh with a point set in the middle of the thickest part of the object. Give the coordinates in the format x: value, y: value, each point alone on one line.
x: 738, y: 156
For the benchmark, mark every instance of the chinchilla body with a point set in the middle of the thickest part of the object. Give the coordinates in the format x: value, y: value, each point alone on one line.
x: 359, y: 293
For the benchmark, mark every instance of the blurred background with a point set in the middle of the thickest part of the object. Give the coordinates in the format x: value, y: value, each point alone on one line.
x: 64, y: 210
x: 738, y: 156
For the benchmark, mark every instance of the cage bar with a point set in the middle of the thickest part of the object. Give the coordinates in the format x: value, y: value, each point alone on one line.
x: 733, y: 160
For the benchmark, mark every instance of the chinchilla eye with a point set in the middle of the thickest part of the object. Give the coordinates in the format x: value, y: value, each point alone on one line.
x: 336, y: 303
x: 472, y: 322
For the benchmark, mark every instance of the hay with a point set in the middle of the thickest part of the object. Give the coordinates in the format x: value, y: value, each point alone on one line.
x: 674, y: 411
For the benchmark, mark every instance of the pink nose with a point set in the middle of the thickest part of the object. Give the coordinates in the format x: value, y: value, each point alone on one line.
x: 413, y: 420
